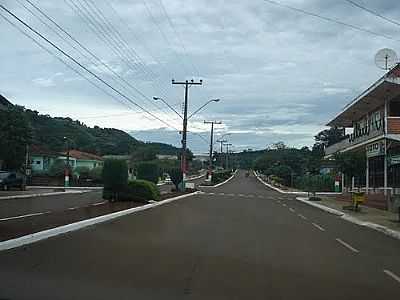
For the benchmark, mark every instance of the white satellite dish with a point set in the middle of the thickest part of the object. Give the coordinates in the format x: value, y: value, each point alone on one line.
x: 386, y: 59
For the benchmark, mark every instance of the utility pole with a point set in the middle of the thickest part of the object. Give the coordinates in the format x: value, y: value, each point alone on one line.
x: 222, y: 151
x: 66, y: 172
x: 211, y: 142
x: 187, y: 84
x: 227, y: 155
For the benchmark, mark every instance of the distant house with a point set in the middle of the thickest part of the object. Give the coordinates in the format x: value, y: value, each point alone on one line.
x: 82, y: 159
x: 41, y: 158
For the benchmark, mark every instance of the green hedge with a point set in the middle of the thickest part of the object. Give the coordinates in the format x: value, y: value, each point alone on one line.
x: 115, y: 178
x: 149, y: 171
x: 220, y: 176
x: 140, y: 190
x: 315, y: 183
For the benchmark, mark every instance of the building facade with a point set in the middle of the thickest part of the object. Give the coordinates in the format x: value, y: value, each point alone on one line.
x: 373, y: 122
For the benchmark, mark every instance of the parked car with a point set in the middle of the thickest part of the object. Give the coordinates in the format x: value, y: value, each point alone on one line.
x: 11, y: 180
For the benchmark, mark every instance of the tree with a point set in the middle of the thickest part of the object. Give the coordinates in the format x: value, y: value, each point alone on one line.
x: 329, y: 136
x: 143, y: 154
x: 115, y: 178
x: 176, y: 176
x: 352, y: 164
x: 15, y: 135
x: 149, y: 171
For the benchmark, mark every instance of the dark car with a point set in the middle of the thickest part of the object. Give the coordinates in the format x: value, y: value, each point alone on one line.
x: 10, y: 180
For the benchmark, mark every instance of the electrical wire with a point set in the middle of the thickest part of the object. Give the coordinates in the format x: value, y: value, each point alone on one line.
x: 354, y: 27
x: 373, y: 12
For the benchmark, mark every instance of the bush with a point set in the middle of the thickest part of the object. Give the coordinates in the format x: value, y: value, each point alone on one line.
x: 140, y: 190
x: 57, y: 168
x: 148, y: 171
x: 176, y: 176
x: 316, y: 183
x: 220, y: 176
x: 115, y: 178
x: 83, y: 172
x: 96, y: 174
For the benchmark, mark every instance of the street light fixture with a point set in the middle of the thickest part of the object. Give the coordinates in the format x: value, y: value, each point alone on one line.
x: 204, y: 105
x: 166, y: 103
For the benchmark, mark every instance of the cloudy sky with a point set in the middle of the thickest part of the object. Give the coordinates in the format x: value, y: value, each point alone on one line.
x: 280, y: 74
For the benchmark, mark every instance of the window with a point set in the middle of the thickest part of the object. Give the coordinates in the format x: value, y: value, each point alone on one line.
x: 38, y: 162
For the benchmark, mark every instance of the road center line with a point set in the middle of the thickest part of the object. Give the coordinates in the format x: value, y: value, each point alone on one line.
x: 319, y: 227
x: 284, y: 205
x: 303, y: 217
x: 347, y: 246
x: 24, y: 216
x: 72, y: 208
x: 292, y: 210
x: 241, y: 195
x: 99, y: 203
x: 391, y: 274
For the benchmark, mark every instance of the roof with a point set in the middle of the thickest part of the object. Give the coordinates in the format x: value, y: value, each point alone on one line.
x: 388, y: 86
x: 36, y: 150
x: 83, y: 155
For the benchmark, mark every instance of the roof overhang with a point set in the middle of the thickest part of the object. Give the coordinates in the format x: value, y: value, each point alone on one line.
x: 387, y: 87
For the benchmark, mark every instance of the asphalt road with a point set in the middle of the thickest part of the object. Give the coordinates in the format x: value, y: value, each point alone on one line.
x: 238, y: 241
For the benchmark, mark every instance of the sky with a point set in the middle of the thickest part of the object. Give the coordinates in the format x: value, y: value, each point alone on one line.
x: 281, y: 75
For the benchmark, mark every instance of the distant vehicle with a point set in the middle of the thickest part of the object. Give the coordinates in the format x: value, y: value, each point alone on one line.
x: 168, y: 179
x: 11, y: 180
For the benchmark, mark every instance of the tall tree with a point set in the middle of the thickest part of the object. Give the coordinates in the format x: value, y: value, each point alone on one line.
x: 329, y: 136
x: 15, y: 135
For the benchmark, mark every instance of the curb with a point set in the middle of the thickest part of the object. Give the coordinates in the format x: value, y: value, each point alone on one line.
x: 42, y: 235
x: 383, y: 229
x: 221, y: 183
x: 291, y: 193
x: 38, y: 187
x: 43, y: 194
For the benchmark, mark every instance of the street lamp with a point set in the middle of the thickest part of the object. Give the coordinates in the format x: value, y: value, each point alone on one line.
x: 166, y: 103
x: 66, y: 170
x: 204, y: 105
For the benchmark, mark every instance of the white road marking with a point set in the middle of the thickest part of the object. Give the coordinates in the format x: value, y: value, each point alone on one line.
x: 99, y: 203
x: 232, y: 195
x: 292, y: 210
x: 251, y: 196
x: 284, y: 205
x: 301, y: 216
x: 260, y: 197
x: 221, y: 194
x: 391, y: 274
x: 347, y: 246
x: 210, y: 193
x: 24, y: 216
x: 241, y: 195
x: 319, y: 227
x: 72, y: 208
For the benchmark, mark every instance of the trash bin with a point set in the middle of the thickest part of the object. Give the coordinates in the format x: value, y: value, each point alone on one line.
x: 358, y: 198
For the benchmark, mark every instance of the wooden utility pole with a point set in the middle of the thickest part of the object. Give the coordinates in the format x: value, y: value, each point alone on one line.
x: 187, y: 84
x: 211, y: 141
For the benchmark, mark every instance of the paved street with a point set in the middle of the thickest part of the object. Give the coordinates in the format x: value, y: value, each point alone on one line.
x: 238, y: 241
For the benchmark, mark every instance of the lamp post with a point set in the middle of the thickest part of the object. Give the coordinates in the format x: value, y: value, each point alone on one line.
x: 66, y: 170
x: 204, y: 105
x: 167, y: 104
x: 227, y: 155
x: 211, y: 143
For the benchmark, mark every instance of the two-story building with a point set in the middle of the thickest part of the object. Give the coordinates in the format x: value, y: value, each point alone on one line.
x: 373, y: 122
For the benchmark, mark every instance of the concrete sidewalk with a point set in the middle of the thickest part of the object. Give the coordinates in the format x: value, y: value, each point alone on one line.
x: 377, y: 219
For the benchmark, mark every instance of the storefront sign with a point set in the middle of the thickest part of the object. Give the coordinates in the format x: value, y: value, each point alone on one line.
x: 394, y: 160
x: 370, y: 125
x: 375, y: 149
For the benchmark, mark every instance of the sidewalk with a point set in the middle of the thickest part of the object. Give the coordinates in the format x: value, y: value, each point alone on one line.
x: 376, y: 219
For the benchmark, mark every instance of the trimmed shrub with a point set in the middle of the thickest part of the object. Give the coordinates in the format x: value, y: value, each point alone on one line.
x: 57, y: 168
x: 140, y: 190
x: 316, y: 183
x: 115, y: 178
x: 83, y: 172
x: 96, y: 174
x: 220, y: 176
x: 148, y: 171
x: 176, y: 176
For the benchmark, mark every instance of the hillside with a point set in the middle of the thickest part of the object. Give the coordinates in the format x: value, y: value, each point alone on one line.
x: 50, y: 132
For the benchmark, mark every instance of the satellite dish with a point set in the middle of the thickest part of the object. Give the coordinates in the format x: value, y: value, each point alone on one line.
x: 385, y: 58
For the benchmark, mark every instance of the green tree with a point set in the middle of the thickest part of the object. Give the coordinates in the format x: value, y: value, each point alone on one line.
x: 351, y: 163
x: 329, y: 136
x: 15, y: 135
x: 115, y: 178
x: 176, y: 176
x: 149, y: 171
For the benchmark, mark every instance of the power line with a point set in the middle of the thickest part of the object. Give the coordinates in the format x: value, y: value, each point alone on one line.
x: 178, y: 36
x: 373, y: 12
x: 354, y: 27
x: 80, y: 65
x: 107, y: 37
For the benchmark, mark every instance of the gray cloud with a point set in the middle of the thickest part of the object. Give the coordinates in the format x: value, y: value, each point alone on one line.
x: 281, y: 75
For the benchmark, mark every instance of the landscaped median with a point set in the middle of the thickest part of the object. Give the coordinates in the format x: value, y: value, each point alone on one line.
x: 219, y: 178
